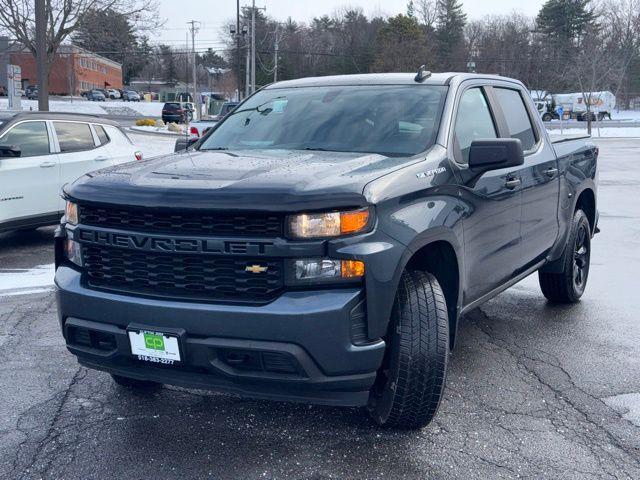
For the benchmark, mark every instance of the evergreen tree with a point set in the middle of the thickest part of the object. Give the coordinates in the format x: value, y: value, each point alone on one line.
x: 170, y: 72
x: 111, y: 34
x: 411, y: 9
x: 450, y: 22
x: 565, y: 21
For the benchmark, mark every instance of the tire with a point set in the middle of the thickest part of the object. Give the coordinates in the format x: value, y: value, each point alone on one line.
x: 409, y: 384
x: 133, y: 384
x: 546, y: 117
x: 569, y: 285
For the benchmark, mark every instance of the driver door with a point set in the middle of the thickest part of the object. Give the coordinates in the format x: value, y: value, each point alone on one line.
x: 29, y: 183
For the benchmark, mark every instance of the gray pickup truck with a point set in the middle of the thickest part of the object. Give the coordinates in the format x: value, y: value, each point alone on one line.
x: 321, y: 242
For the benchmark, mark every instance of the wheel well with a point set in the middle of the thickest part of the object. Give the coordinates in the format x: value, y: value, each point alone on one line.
x: 439, y: 259
x: 587, y: 203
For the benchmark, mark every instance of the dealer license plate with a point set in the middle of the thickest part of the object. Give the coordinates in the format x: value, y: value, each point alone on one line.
x: 154, y: 347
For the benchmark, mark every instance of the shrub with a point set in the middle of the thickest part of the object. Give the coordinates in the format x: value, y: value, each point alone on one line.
x: 146, y: 122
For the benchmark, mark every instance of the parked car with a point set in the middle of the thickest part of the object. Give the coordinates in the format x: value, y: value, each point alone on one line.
x: 322, y: 241
x: 130, y: 96
x: 113, y: 94
x: 227, y: 108
x: 96, y: 96
x: 31, y: 92
x: 196, y: 130
x: 40, y: 152
x: 174, y: 112
x: 3, y: 91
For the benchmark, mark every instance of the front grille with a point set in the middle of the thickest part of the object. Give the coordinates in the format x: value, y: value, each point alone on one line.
x: 181, y: 276
x: 200, y: 223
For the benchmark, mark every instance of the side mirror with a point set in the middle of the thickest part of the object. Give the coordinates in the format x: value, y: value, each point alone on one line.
x: 495, y: 153
x: 10, y: 151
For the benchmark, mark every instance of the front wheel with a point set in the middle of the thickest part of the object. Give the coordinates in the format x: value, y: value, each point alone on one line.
x: 409, y: 384
x: 546, y: 117
x: 568, y: 285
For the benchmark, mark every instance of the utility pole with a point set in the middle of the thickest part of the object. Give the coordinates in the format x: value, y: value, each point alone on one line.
x: 238, y: 53
x: 253, y: 44
x: 41, y: 55
x: 247, y: 72
x: 275, y: 56
x: 196, y: 97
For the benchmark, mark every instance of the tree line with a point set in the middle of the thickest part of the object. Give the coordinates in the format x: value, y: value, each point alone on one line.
x: 570, y: 45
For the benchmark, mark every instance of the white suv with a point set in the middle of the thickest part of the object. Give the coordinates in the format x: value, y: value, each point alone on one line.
x: 40, y: 152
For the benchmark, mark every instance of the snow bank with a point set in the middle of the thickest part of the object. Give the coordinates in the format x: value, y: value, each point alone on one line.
x: 114, y: 107
x: 16, y: 281
x: 621, y: 132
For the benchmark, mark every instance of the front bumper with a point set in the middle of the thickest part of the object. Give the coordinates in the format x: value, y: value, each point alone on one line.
x: 300, y: 345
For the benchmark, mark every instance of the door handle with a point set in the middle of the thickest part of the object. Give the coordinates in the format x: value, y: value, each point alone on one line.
x: 551, y: 172
x: 512, y: 183
x: 48, y: 164
x: 101, y: 159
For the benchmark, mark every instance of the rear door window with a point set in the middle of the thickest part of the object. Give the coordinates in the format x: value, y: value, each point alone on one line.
x: 516, y: 116
x: 31, y: 137
x: 74, y: 136
x: 474, y: 121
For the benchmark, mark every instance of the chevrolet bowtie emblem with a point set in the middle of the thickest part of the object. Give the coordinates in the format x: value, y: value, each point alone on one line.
x: 255, y: 269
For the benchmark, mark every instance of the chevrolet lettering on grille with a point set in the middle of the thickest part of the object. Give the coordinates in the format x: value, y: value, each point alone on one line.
x: 172, y: 244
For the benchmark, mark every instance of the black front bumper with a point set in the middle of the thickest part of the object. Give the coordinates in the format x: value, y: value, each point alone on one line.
x: 299, y: 347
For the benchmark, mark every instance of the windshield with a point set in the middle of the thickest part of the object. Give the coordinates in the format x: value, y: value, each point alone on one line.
x: 393, y: 120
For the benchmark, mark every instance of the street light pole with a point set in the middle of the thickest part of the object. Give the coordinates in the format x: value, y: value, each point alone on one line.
x: 41, y: 55
x: 196, y: 98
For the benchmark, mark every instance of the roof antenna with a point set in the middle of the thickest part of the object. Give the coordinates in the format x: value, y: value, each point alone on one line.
x: 422, y: 74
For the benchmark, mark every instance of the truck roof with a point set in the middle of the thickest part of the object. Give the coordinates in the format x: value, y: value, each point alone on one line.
x: 384, y: 79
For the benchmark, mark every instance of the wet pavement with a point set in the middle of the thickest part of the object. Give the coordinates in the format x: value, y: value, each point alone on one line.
x: 534, y: 391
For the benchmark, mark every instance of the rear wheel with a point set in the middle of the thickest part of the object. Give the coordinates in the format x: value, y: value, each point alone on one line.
x: 133, y: 384
x: 568, y: 285
x: 410, y: 382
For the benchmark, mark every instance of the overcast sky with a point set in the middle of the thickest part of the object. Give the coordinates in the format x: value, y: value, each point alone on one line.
x: 214, y: 14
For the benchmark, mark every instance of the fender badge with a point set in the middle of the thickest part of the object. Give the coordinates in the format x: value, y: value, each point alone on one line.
x: 431, y: 173
x: 255, y: 269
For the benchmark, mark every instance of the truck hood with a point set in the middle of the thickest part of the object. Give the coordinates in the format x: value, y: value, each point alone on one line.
x: 275, y: 180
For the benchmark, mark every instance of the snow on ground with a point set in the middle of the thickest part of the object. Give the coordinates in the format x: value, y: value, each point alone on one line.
x: 80, y: 105
x: 631, y: 115
x: 21, y: 281
x: 153, y: 145
x: 621, y: 132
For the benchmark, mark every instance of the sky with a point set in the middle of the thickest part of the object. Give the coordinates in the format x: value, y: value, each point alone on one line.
x: 215, y: 15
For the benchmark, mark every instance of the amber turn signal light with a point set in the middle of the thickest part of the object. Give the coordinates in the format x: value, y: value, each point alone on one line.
x: 351, y: 269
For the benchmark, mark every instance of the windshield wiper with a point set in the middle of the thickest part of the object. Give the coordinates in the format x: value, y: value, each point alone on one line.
x: 216, y: 148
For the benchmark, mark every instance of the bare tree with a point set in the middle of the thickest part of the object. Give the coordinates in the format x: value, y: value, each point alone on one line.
x: 63, y: 19
x: 427, y: 12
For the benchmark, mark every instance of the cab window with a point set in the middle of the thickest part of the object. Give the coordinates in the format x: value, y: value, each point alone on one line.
x: 73, y: 136
x: 31, y: 137
x: 473, y: 121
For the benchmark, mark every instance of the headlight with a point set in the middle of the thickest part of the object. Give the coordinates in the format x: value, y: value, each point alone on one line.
x: 324, y: 270
x: 71, y: 213
x: 331, y: 224
x: 73, y: 252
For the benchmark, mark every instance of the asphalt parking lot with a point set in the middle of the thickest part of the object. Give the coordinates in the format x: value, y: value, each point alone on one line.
x: 534, y: 391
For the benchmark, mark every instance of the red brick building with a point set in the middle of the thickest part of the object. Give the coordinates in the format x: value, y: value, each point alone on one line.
x: 74, y: 70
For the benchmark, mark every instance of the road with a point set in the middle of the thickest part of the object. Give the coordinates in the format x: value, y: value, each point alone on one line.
x: 534, y: 391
